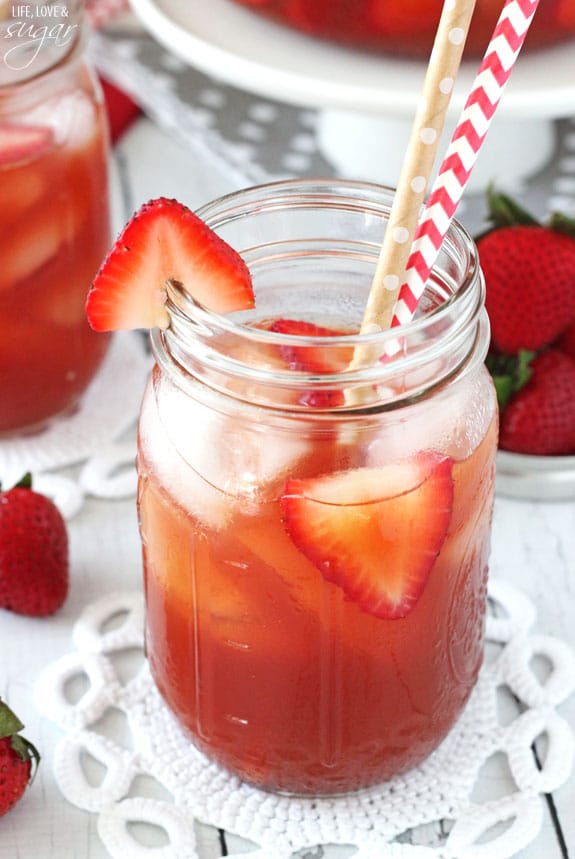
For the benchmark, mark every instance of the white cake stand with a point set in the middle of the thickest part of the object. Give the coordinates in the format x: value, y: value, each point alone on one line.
x: 366, y: 102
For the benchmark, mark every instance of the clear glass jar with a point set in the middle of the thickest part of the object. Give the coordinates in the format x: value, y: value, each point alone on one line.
x: 274, y: 653
x: 54, y: 215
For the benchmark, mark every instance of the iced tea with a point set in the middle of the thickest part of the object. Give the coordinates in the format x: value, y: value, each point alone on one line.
x: 54, y: 232
x: 407, y: 28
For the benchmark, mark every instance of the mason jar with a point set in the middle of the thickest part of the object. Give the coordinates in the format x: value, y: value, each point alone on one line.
x: 54, y: 214
x: 315, y: 506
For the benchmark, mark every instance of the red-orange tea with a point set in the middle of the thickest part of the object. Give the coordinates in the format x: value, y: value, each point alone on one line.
x: 54, y: 233
x: 273, y: 669
x: 407, y: 27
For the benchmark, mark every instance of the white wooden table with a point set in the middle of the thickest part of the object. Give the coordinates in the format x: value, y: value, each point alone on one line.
x: 533, y: 548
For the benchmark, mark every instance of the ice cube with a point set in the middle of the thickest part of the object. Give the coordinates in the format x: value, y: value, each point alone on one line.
x: 31, y: 243
x: 37, y: 237
x: 241, y: 461
x: 70, y: 115
x: 82, y: 121
x: 181, y: 481
x: 22, y: 143
x: 452, y: 421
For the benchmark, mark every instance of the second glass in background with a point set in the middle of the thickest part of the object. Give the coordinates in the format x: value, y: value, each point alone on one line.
x: 54, y: 216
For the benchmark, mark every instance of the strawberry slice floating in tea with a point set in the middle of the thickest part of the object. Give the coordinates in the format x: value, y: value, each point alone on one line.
x: 165, y: 242
x: 23, y: 142
x: 313, y: 359
x: 375, y: 532
x: 317, y: 358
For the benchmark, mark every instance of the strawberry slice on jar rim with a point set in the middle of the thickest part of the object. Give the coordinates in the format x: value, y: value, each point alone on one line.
x: 165, y: 242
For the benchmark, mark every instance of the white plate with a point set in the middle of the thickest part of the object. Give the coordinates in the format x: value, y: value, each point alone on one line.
x: 240, y: 48
x: 543, y: 478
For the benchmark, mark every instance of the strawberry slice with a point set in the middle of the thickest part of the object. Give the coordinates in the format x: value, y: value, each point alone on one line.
x: 312, y: 359
x: 375, y: 532
x: 165, y: 242
x: 316, y: 359
x: 22, y: 142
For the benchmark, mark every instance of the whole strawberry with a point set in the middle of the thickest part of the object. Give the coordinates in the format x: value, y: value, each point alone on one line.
x: 540, y: 417
x: 33, y: 552
x: 529, y: 271
x: 18, y: 759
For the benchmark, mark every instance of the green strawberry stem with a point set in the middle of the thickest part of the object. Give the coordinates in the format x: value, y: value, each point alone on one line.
x: 9, y: 721
x: 510, y: 373
x: 25, y: 482
x: 504, y: 211
x: 560, y: 223
x: 10, y: 726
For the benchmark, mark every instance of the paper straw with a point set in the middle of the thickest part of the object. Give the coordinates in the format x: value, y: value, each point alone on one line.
x: 420, y: 155
x: 462, y: 152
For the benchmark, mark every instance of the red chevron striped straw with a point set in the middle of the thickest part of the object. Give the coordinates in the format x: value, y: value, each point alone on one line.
x: 418, y: 163
x: 462, y: 152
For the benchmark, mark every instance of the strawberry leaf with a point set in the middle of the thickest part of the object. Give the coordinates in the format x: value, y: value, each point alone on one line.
x: 510, y: 373
x: 503, y: 388
x: 25, y: 482
x: 561, y: 223
x: 26, y: 751
x: 10, y: 726
x: 505, y: 212
x: 9, y: 721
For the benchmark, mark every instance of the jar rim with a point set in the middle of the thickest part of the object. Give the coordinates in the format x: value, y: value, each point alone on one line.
x: 234, y: 203
x: 456, y: 317
x: 271, y: 194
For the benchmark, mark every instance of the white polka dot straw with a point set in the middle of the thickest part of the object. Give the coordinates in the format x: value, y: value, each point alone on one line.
x: 466, y: 142
x: 419, y: 159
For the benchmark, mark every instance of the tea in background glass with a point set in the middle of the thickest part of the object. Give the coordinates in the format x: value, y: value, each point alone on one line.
x: 316, y: 563
x: 407, y: 27
x: 54, y: 214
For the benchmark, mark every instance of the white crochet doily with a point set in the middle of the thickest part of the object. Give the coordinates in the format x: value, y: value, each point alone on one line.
x: 92, y: 435
x: 380, y: 822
